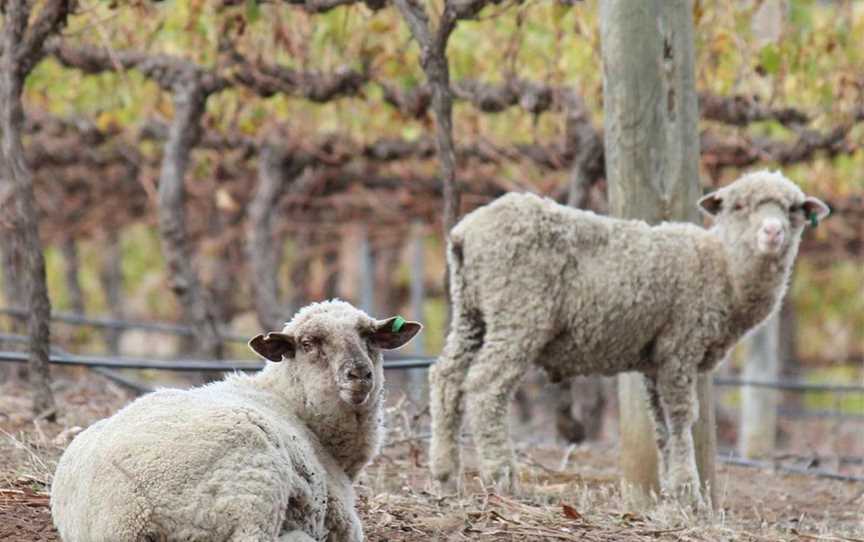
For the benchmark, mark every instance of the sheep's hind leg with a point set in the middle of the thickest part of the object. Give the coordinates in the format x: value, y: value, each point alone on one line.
x: 446, y: 378
x: 661, y: 430
x: 676, y: 381
x: 490, y: 385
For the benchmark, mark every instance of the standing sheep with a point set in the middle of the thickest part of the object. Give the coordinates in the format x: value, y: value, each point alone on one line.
x: 250, y: 458
x: 576, y: 293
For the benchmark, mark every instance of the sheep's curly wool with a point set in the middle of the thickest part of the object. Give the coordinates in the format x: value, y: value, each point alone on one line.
x: 270, y: 456
x: 534, y: 282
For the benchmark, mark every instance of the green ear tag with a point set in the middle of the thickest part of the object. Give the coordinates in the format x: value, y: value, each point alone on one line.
x: 813, y: 221
x: 397, y: 324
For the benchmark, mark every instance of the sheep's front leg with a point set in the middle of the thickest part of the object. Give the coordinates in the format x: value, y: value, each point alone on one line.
x: 342, y: 522
x: 676, y: 387
x: 446, y: 381
x: 490, y: 385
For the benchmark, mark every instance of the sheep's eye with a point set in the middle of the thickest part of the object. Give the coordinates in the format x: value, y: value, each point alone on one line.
x: 307, y: 345
x: 738, y: 206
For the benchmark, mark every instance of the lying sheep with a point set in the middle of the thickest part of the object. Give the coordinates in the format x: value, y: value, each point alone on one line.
x: 270, y: 456
x: 576, y: 293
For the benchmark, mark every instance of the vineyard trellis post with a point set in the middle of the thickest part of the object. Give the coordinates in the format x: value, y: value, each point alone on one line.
x: 757, y: 435
x: 652, y: 166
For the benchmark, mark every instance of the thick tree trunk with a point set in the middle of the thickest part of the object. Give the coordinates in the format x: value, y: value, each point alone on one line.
x: 651, y: 142
x: 111, y: 280
x: 189, y: 101
x: 72, y: 274
x: 758, y: 434
x: 18, y: 203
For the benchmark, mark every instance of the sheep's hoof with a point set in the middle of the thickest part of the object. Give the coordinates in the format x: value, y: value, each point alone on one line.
x: 447, y: 485
x: 689, y: 495
x: 503, y: 479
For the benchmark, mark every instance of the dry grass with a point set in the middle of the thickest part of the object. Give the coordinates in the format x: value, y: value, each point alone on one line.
x: 566, y: 493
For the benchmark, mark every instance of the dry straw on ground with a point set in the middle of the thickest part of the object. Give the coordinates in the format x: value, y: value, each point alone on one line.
x: 567, y: 494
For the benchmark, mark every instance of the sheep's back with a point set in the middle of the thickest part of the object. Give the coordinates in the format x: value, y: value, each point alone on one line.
x: 602, y: 289
x: 183, y: 463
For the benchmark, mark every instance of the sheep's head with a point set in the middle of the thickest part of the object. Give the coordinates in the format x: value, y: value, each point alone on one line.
x: 336, y: 349
x: 763, y: 213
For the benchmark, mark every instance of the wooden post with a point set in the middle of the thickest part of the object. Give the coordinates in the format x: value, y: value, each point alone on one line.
x: 417, y: 380
x: 71, y: 274
x: 652, y: 166
x: 758, y: 434
x: 111, y: 279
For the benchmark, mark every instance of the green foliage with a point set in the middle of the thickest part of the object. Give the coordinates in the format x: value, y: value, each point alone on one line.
x: 769, y: 59
x: 829, y: 300
x: 253, y: 11
x: 435, y: 311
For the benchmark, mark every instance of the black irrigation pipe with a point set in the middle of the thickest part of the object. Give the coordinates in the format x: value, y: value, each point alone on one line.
x: 392, y: 361
x: 110, y: 374
x: 110, y: 323
x: 800, y: 414
x: 788, y: 385
x: 178, y: 329
x: 412, y: 362
x: 178, y: 365
x: 790, y: 469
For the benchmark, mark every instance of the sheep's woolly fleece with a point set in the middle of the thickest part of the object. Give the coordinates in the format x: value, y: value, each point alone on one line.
x: 246, y: 458
x: 577, y: 293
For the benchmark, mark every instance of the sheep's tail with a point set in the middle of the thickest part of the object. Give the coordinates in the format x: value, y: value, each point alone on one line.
x: 446, y: 377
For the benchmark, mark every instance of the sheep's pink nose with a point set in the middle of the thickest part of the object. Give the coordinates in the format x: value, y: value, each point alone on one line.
x: 772, y: 232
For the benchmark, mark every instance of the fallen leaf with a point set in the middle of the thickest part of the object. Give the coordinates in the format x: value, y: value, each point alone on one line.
x: 570, y: 512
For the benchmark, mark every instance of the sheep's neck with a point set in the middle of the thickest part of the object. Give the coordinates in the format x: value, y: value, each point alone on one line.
x: 353, y: 440
x: 759, y: 285
x: 350, y: 436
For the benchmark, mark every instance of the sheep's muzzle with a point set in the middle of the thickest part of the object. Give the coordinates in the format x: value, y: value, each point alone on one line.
x: 355, y: 381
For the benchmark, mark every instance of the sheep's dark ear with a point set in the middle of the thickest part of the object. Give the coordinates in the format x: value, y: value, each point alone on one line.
x: 711, y: 204
x: 394, y: 332
x: 815, y: 206
x: 273, y: 346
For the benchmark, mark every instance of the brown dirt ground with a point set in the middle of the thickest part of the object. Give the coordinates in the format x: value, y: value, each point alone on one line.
x: 573, y: 499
